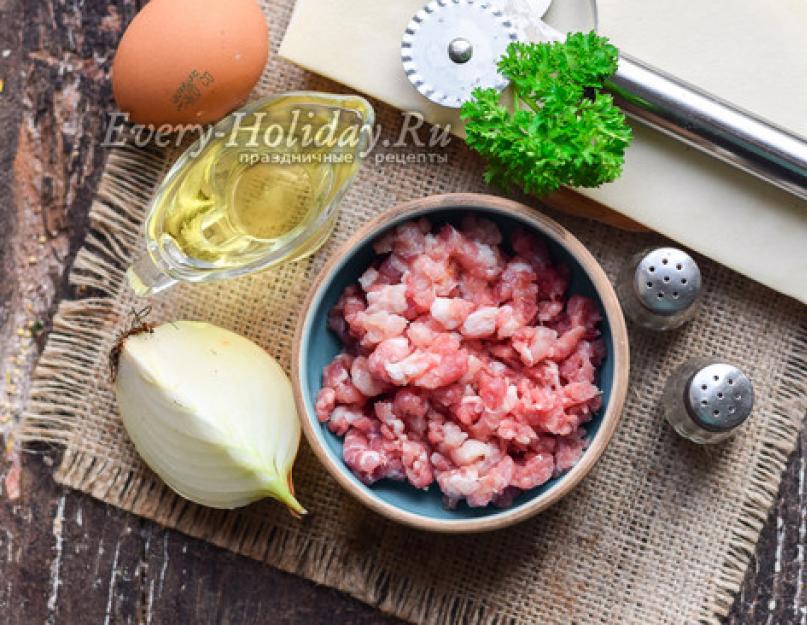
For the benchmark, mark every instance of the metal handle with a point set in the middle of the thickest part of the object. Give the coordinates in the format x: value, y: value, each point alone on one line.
x: 711, y: 125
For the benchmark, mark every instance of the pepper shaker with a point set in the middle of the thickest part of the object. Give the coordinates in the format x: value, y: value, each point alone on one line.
x: 660, y: 288
x: 706, y: 400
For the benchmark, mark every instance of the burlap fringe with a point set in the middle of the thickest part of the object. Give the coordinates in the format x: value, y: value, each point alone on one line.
x: 763, y: 488
x: 55, y: 408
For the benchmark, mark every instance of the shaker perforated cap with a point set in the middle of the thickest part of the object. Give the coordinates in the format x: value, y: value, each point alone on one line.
x: 451, y: 47
x: 667, y: 281
x: 719, y: 397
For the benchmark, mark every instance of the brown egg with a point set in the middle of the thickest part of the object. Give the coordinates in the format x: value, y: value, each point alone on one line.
x: 189, y: 61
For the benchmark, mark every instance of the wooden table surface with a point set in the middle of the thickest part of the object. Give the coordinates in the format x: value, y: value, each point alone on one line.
x: 67, y: 558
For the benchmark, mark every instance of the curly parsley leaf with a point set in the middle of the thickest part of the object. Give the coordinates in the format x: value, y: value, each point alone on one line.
x: 562, y: 129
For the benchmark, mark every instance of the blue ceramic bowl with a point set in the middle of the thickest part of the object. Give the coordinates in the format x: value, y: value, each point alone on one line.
x: 315, y: 346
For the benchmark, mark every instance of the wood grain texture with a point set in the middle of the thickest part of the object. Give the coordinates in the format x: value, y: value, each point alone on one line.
x: 68, y: 559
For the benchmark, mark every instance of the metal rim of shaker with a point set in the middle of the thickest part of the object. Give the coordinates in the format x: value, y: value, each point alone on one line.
x: 687, y: 286
x: 696, y: 419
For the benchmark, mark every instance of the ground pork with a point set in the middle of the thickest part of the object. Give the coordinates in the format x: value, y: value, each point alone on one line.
x: 463, y: 365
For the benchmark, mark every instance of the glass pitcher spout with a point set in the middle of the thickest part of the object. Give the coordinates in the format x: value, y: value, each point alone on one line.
x: 262, y: 188
x: 147, y: 278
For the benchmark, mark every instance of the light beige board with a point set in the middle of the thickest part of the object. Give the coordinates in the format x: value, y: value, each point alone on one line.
x: 752, y: 53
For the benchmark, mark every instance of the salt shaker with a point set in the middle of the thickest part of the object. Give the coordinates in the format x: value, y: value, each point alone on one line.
x: 706, y: 400
x: 659, y: 288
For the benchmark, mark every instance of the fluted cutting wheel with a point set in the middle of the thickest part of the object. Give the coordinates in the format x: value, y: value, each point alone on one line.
x: 451, y: 47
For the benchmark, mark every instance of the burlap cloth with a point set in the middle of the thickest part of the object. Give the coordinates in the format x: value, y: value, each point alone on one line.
x: 660, y: 532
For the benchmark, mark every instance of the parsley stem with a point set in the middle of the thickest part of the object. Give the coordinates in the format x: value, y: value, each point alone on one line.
x: 613, y: 135
x: 528, y: 101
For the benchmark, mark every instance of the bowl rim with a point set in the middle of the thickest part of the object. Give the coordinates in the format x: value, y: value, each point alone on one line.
x: 613, y: 312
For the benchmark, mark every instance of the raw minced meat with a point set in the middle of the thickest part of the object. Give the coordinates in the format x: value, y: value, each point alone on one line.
x: 462, y: 365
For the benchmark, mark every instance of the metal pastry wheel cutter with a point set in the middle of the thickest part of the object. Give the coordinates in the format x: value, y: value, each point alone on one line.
x: 451, y: 47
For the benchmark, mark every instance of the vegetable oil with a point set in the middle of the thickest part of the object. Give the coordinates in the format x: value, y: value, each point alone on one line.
x: 262, y: 190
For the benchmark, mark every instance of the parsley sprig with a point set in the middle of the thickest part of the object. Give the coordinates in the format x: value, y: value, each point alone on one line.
x: 562, y: 129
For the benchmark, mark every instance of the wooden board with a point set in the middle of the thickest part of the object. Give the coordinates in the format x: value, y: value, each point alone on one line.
x: 68, y: 559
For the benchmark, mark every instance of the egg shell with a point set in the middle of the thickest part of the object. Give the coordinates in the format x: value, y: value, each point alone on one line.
x: 189, y: 61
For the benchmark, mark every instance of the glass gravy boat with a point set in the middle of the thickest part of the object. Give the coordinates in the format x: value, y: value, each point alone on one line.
x: 261, y: 189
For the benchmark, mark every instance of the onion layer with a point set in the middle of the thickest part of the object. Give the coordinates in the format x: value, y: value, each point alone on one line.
x: 210, y: 412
